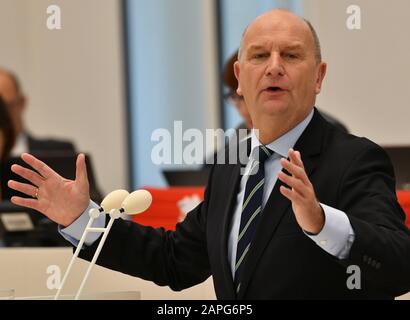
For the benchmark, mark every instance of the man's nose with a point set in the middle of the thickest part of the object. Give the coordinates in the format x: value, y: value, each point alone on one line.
x: 275, y: 66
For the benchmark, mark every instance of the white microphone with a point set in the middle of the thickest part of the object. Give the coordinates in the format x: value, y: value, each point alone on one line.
x: 136, y: 202
x: 111, y: 201
x: 118, y: 203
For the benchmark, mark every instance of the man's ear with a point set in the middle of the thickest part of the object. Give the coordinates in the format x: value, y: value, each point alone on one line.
x: 23, y: 102
x: 237, y: 70
x: 320, y: 76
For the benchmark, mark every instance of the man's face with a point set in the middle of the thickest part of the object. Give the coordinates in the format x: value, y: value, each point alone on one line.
x: 278, y: 72
x: 14, y: 101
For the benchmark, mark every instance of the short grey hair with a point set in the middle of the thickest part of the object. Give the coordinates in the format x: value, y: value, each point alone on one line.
x: 318, y: 49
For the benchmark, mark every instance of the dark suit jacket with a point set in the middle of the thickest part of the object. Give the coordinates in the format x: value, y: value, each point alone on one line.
x: 39, y: 147
x: 348, y: 173
x: 48, y: 145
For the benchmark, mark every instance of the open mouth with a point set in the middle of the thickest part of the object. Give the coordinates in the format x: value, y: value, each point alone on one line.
x: 274, y: 89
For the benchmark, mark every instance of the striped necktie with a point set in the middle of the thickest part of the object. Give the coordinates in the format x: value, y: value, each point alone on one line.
x: 251, y: 211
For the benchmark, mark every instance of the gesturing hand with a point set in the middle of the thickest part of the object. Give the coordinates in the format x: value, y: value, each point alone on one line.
x: 307, y: 209
x: 60, y: 199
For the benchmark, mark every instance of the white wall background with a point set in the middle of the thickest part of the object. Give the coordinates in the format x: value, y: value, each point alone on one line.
x: 368, y: 83
x: 73, y: 76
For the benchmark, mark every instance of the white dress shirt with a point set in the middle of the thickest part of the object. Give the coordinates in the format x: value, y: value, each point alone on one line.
x: 20, y: 146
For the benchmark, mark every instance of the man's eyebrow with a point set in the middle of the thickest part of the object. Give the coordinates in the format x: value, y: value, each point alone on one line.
x: 296, y: 46
x: 255, y: 47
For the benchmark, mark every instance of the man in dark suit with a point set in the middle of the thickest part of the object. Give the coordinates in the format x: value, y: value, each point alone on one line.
x: 11, y: 92
x: 294, y: 225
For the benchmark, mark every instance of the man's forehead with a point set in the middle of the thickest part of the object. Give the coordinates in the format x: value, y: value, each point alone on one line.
x: 277, y: 26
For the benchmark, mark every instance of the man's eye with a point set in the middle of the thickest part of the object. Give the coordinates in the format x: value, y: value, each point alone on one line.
x: 291, y: 55
x: 259, y: 55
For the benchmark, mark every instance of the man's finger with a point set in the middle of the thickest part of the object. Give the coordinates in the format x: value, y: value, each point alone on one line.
x: 295, y: 170
x: 296, y: 158
x: 27, y: 174
x: 25, y: 188
x: 293, y: 183
x: 81, y: 170
x: 292, y: 195
x: 38, y: 165
x: 29, y: 203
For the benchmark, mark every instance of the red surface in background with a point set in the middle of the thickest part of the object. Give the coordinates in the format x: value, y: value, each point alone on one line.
x: 404, y: 200
x: 164, y: 211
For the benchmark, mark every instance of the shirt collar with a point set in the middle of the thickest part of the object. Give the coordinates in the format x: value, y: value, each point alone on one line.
x: 21, y: 145
x: 282, y: 144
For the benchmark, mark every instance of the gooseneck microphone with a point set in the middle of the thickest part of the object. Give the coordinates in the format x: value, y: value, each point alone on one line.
x: 118, y: 204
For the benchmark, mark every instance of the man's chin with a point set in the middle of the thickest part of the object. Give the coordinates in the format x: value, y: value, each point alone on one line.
x: 275, y: 108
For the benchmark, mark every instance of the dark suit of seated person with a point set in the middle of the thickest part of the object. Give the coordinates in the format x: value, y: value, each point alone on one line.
x: 295, y: 225
x: 36, y: 145
x: 7, y: 132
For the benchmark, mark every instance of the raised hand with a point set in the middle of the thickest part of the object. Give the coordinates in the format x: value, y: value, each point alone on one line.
x: 307, y: 209
x: 60, y: 199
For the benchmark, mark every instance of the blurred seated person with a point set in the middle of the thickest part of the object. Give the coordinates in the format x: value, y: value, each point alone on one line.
x: 16, y: 102
x: 231, y: 83
x: 43, y: 233
x: 7, y: 135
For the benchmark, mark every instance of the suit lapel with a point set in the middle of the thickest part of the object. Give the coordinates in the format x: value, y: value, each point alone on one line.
x: 309, y: 145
